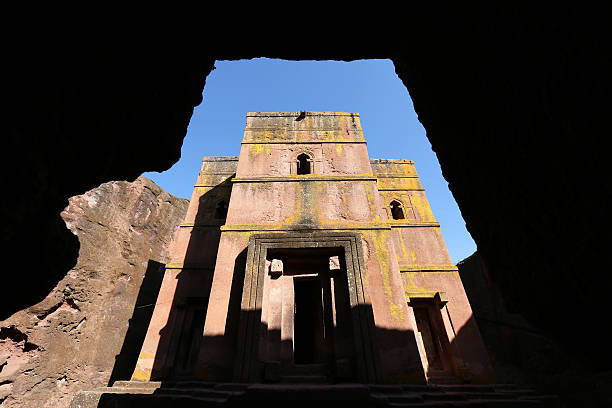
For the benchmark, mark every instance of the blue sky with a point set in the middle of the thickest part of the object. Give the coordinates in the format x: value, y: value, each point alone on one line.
x: 369, y: 87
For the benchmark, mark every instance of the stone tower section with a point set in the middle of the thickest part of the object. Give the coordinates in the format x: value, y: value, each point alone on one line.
x: 321, y: 264
x: 432, y: 284
x: 174, y: 334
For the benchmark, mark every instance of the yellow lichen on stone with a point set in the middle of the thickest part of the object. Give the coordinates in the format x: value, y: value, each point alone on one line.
x: 409, y: 283
x: 141, y: 374
x: 397, y: 312
x: 371, y: 196
x: 256, y: 149
x: 380, y: 239
x: 422, y: 207
x: 297, y: 210
x: 405, y: 252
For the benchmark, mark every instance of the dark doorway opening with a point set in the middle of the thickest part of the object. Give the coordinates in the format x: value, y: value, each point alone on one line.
x: 441, y: 364
x: 191, y: 315
x: 309, y: 330
x: 431, y: 342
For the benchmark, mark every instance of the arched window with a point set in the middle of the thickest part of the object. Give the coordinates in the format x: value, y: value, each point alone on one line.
x: 396, y: 210
x: 303, y: 164
x: 221, y: 210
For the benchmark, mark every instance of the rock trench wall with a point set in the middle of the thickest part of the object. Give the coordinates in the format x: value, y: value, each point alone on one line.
x: 515, y: 101
x: 74, y: 338
x: 522, y: 353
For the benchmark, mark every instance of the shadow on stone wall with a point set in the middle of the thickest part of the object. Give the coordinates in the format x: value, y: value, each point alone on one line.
x: 523, y: 354
x: 182, y: 336
x: 125, y: 361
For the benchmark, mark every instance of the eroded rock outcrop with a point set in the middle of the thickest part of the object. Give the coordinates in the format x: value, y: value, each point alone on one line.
x: 76, y: 337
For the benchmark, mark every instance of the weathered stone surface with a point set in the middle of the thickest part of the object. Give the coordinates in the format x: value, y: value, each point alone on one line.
x: 70, y: 340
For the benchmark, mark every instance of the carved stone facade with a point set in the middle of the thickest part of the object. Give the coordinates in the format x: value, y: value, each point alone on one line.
x: 304, y: 260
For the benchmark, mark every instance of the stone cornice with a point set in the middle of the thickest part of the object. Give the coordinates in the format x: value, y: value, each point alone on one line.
x: 219, y: 158
x: 409, y: 224
x: 276, y: 141
x: 302, y: 179
x: 298, y: 227
x: 394, y: 176
x: 401, y: 189
x: 347, y: 226
x: 292, y: 114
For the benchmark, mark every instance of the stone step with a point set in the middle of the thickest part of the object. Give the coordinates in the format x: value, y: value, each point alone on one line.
x: 430, y: 404
x: 388, y: 388
x: 468, y: 387
x: 125, y: 390
x: 483, y: 403
x: 392, y: 398
x: 548, y: 401
x: 308, y: 392
x: 489, y: 403
x: 295, y: 369
x: 298, y: 392
x: 304, y: 379
x: 507, y: 386
x: 443, y: 396
x: 137, y: 384
x: 489, y: 395
x: 231, y: 386
x: 198, y: 392
x: 421, y: 388
x: 517, y: 391
x: 443, y: 378
x: 94, y: 399
x: 188, y: 384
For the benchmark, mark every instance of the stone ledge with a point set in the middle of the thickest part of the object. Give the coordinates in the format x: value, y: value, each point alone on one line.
x: 302, y: 179
x: 290, y: 141
x: 291, y: 114
x: 428, y: 268
x: 213, y: 185
x: 219, y: 158
x: 304, y: 227
x: 391, y: 161
x: 401, y: 189
x: 194, y: 265
x: 194, y: 225
x: 390, y: 175
x: 408, y: 224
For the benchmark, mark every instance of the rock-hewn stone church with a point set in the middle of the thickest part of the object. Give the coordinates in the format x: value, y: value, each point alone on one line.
x: 303, y: 260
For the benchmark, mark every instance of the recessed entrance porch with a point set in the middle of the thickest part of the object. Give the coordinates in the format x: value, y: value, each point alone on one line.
x: 309, y: 326
x: 306, y: 327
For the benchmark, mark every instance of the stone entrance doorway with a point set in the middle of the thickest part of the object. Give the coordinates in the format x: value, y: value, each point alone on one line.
x: 303, y: 297
x: 305, y: 308
x: 440, y: 364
